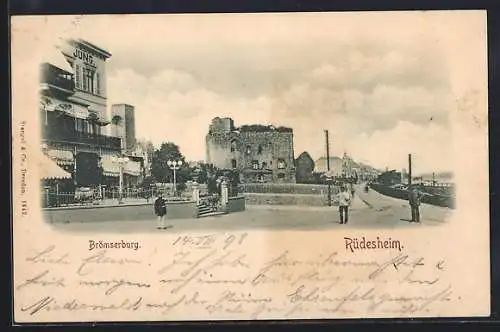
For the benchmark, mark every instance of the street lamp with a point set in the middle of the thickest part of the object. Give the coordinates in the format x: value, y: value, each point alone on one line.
x: 121, y: 163
x: 175, y: 165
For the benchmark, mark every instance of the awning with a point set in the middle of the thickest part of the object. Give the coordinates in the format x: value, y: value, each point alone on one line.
x: 55, y: 57
x: 71, y: 109
x: 109, y: 166
x: 98, y: 117
x: 132, y: 168
x: 48, y: 169
x: 112, y: 168
x: 78, y: 111
x: 62, y: 157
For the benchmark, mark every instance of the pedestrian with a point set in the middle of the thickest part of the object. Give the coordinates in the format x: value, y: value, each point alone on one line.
x: 414, y: 200
x: 344, y: 202
x: 161, y: 211
x: 353, y: 191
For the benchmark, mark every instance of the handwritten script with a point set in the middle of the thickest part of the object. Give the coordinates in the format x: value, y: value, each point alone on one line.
x: 227, y: 277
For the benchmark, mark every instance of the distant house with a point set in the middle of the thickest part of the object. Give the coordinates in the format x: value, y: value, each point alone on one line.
x: 304, y: 167
x: 336, y: 166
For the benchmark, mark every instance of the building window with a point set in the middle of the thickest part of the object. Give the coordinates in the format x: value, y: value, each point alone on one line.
x: 260, y: 149
x: 79, y: 125
x: 281, y: 176
x: 264, y: 165
x: 88, y: 80
x: 233, y: 145
x: 281, y: 164
x: 233, y: 163
x: 78, y: 76
x: 255, y: 164
x: 97, y: 84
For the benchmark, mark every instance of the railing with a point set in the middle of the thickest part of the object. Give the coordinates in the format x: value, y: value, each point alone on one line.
x: 439, y: 199
x: 85, y: 138
x: 54, y: 77
x: 50, y: 197
x: 107, y: 196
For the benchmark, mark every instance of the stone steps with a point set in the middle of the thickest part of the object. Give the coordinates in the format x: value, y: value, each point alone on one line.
x: 205, y: 210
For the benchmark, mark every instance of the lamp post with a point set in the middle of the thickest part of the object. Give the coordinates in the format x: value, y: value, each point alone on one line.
x: 175, y: 165
x: 121, y: 163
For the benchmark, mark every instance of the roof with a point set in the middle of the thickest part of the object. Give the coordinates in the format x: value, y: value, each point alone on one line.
x: 91, y: 46
x: 122, y: 104
x: 55, y: 58
x: 258, y: 128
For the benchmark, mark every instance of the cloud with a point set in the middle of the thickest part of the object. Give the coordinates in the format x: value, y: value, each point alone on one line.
x: 430, y: 146
x: 365, y: 90
x: 174, y: 106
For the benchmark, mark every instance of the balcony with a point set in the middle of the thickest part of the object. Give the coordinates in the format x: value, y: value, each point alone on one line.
x: 75, y: 137
x: 55, y: 78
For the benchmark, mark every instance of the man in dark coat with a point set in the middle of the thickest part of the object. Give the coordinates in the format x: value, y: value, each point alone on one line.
x: 161, y: 211
x: 414, y: 200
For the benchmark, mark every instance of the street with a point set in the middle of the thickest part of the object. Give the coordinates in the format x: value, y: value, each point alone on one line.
x: 368, y: 210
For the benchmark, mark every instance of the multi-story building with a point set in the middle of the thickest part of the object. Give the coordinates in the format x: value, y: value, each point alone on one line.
x: 259, y: 153
x: 73, y: 108
x: 348, y: 167
x: 335, y: 164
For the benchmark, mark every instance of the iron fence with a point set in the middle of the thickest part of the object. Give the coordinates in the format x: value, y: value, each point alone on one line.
x: 53, y: 198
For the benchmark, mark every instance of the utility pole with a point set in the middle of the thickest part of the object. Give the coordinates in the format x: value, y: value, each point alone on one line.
x: 328, y: 168
x: 409, y: 172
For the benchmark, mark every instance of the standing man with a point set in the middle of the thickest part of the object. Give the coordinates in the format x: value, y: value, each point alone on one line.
x: 161, y: 212
x: 344, y: 202
x: 414, y: 200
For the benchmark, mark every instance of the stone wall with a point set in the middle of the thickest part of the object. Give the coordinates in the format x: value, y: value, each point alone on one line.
x: 236, y: 204
x: 129, y: 212
x: 283, y: 199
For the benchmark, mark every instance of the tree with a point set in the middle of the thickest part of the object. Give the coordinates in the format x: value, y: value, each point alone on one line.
x: 159, y: 167
x: 304, y: 167
x: 147, y: 182
x: 205, y: 172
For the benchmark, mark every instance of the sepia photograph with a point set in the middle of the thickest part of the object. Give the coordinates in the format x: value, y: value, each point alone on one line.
x: 128, y: 135
x: 250, y: 166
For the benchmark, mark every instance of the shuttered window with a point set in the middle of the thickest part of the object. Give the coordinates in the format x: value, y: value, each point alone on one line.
x: 97, y: 84
x: 78, y: 76
x: 84, y: 80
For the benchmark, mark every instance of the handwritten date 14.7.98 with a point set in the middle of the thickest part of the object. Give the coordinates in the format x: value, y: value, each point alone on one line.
x: 211, y: 240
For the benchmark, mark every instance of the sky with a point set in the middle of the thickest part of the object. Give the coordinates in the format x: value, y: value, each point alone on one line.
x: 384, y: 85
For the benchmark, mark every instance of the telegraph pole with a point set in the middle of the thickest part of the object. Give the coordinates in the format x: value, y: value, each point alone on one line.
x: 328, y: 168
x: 409, y: 172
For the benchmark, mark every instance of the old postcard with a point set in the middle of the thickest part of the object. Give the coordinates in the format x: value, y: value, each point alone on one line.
x: 250, y: 166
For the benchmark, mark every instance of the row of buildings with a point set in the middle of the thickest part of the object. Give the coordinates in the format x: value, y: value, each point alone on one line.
x: 76, y: 131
